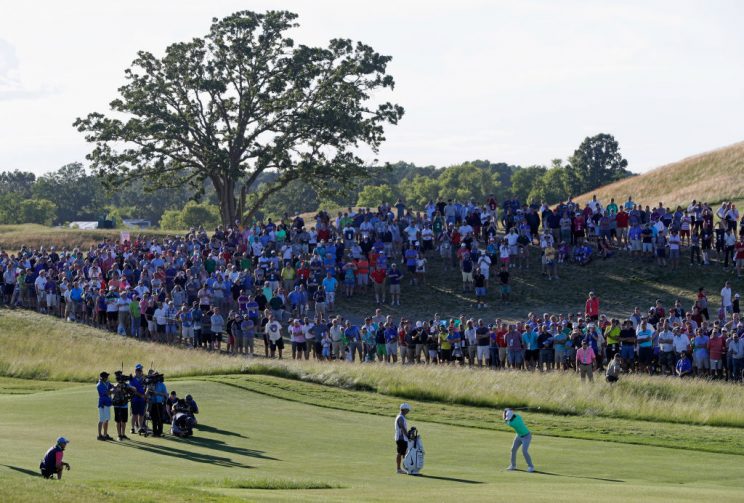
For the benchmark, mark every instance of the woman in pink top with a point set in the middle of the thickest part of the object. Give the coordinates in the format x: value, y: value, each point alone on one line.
x: 585, y: 359
x: 299, y: 344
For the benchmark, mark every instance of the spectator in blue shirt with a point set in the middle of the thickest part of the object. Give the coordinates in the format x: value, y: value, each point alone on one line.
x: 329, y: 284
x: 394, y: 276
x: 700, y: 356
x: 353, y: 337
x: 104, y: 388
x: 684, y: 366
x: 297, y: 301
x: 76, y: 297
x: 644, y: 336
x: 531, y: 351
x: 391, y: 343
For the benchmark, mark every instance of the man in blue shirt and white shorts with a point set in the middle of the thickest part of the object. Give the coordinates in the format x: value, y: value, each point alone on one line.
x: 104, y: 388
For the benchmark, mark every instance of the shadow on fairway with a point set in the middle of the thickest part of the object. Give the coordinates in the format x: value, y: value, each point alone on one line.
x: 219, y: 445
x: 212, y: 429
x: 183, y: 454
x: 23, y: 470
x: 449, y: 479
x: 574, y: 476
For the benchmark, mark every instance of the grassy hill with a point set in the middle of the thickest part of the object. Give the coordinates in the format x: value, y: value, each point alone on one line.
x: 711, y: 177
x: 309, y: 432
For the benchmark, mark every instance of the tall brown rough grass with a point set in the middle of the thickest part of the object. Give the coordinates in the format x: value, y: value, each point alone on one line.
x: 13, y: 237
x: 39, y: 347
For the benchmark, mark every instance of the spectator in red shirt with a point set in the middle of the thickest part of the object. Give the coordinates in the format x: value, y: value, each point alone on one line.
x: 622, y: 219
x: 739, y: 255
x: 362, y: 273
x: 378, y: 276
x: 592, y: 307
x: 716, y: 347
x: 501, y: 343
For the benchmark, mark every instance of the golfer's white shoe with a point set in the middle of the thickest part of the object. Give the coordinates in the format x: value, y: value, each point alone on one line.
x: 511, y: 468
x: 401, y: 471
x: 530, y: 469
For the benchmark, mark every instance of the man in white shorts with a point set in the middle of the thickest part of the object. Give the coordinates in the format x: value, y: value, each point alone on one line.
x: 483, y: 341
x: 104, y: 389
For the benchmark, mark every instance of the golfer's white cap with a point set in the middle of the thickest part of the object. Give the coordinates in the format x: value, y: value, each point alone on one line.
x: 405, y: 406
x: 508, y: 414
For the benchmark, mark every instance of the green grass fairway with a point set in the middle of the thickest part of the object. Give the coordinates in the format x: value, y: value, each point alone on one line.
x: 298, y: 451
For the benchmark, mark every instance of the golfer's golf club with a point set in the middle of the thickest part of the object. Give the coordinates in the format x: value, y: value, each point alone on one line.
x: 525, y: 408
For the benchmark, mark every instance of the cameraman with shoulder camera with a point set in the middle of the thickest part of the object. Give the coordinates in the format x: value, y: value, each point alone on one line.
x: 157, y: 394
x: 122, y: 393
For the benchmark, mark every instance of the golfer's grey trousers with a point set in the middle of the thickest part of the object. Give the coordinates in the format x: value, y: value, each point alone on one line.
x: 525, y: 443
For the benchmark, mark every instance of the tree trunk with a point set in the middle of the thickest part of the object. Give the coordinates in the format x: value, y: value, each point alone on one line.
x: 225, y: 189
x: 241, y: 203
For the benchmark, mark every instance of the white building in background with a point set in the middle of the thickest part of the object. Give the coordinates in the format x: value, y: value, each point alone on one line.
x: 84, y: 225
x: 137, y: 222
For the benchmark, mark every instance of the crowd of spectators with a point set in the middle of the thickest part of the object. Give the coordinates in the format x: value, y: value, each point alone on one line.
x: 275, y: 282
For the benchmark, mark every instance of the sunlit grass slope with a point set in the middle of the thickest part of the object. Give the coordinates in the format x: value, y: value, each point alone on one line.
x: 711, y: 177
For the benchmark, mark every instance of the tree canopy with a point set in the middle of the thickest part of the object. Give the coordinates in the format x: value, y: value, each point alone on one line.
x: 596, y: 162
x: 241, y: 101
x: 76, y: 194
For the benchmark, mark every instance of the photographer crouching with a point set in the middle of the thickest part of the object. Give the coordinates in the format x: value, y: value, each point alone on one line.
x: 183, y: 422
x: 156, y: 394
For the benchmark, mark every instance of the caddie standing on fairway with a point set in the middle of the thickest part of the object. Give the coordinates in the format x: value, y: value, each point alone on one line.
x: 523, y: 439
x: 401, y: 434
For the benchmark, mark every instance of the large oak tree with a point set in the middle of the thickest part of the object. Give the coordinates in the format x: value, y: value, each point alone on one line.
x: 243, y: 100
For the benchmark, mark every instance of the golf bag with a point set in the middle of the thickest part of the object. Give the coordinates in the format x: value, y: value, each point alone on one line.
x: 413, y: 462
x: 182, y: 425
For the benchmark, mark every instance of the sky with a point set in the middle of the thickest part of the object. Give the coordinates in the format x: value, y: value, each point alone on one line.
x: 522, y: 82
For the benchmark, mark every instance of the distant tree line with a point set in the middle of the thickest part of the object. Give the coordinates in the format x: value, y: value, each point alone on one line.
x: 596, y: 162
x: 73, y: 193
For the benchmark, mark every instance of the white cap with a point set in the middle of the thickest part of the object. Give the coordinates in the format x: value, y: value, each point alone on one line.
x: 508, y: 414
x: 405, y: 406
